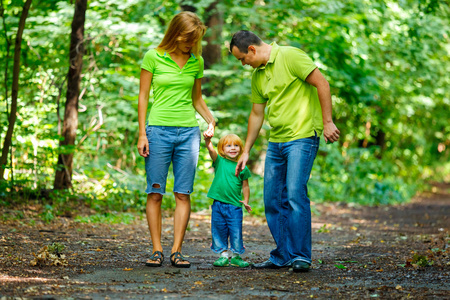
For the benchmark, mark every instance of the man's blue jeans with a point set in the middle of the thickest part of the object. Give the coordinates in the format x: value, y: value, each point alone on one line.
x: 287, y: 171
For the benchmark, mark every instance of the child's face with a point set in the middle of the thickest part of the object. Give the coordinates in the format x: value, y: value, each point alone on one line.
x: 231, y: 150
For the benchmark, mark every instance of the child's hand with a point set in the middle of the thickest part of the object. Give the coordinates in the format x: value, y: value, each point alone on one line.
x: 209, y: 132
x: 206, y: 137
x: 247, y: 207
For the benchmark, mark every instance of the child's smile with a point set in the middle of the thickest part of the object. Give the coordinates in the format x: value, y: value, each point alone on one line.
x: 231, y: 150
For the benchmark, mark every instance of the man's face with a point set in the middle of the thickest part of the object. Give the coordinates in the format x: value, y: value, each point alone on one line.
x: 249, y: 58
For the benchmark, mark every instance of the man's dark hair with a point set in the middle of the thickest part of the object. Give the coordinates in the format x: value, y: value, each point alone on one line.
x: 244, y: 38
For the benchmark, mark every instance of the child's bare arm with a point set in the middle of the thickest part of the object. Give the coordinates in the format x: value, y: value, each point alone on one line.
x: 246, y: 192
x: 210, y: 147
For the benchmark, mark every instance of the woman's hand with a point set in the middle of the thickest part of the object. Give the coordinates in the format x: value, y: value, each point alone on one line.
x: 143, y: 147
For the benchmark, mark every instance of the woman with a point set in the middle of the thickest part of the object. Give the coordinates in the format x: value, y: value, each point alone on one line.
x: 174, y: 70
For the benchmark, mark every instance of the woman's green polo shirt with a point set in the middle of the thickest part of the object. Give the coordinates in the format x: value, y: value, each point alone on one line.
x: 172, y: 89
x: 293, y: 107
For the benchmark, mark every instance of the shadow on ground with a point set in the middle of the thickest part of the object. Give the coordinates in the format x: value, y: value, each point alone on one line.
x: 389, y: 252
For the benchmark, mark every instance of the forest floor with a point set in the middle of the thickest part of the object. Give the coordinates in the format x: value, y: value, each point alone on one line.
x: 386, y: 252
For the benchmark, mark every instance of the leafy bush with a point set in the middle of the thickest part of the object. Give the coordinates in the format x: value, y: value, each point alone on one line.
x: 357, y: 175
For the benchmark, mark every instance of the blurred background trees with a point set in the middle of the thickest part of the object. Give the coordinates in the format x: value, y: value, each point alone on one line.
x: 387, y: 63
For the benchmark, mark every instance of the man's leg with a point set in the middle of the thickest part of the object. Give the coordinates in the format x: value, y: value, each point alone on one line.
x: 301, y: 154
x: 275, y: 202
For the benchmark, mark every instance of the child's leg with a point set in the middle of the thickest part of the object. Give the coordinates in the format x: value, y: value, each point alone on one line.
x: 236, y: 241
x: 235, y: 229
x: 219, y: 232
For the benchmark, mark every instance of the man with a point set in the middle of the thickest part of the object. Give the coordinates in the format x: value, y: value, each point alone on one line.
x: 298, y: 101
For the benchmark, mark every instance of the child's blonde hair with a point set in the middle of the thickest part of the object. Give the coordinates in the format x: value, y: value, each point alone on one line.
x: 230, y: 139
x: 184, y: 27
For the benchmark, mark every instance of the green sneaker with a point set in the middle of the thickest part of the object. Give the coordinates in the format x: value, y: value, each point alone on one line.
x: 237, y: 261
x: 221, y: 262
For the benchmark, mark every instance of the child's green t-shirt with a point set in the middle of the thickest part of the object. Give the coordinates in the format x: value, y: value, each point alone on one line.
x: 226, y: 187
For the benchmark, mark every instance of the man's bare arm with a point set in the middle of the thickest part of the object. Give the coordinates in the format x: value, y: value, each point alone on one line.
x: 255, y: 122
x: 330, y: 131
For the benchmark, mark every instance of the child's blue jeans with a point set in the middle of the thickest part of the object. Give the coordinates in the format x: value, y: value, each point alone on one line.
x: 226, y: 222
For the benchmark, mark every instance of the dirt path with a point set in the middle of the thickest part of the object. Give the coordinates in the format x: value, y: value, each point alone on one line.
x: 395, y: 252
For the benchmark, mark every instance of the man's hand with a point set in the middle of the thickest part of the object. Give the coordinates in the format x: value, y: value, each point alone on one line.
x: 247, y: 207
x: 143, y: 147
x: 330, y: 132
x: 241, y: 164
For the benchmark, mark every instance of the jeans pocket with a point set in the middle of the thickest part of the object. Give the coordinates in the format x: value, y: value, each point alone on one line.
x: 148, y: 132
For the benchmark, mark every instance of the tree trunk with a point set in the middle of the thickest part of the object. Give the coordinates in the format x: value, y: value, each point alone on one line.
x: 63, y: 174
x: 15, y: 89
x: 212, y: 52
x: 214, y: 21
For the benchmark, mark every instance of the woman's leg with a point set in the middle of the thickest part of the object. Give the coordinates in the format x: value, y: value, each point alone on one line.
x: 154, y: 219
x: 157, y: 166
x: 184, y: 159
x: 180, y: 220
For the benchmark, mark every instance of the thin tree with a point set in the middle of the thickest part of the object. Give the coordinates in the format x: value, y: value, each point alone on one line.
x: 15, y: 88
x: 214, y: 20
x: 63, y: 174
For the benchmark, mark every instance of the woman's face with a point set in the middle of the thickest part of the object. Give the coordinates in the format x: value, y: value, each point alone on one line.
x: 186, y: 47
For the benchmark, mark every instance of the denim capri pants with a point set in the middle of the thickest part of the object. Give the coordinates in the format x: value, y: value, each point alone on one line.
x: 179, y: 145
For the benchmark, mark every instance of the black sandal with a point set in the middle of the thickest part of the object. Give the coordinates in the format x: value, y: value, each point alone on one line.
x: 176, y: 258
x: 156, y: 256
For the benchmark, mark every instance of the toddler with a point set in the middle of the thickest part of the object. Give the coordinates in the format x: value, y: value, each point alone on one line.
x: 226, y: 190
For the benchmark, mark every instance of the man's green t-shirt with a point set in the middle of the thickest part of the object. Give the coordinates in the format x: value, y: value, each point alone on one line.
x: 172, y: 89
x: 293, y: 107
x: 226, y: 187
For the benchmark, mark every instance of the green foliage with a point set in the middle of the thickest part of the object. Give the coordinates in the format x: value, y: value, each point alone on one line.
x: 107, y: 218
x: 357, y: 175
x: 56, y: 248
x: 323, y: 229
x: 340, y: 266
x: 48, y: 213
x: 387, y: 63
x: 421, y: 260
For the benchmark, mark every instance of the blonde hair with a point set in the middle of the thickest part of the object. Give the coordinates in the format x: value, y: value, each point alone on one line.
x: 230, y: 139
x: 184, y: 27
